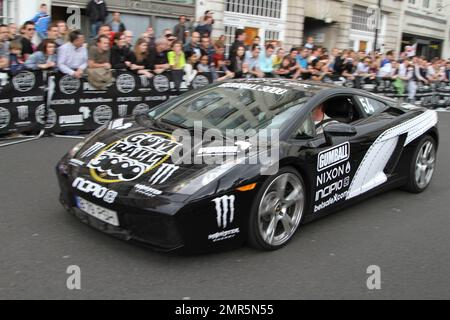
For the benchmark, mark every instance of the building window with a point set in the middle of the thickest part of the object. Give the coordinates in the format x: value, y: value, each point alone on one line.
x: 263, y: 8
x: 272, y: 35
x: 3, y: 12
x: 360, y: 19
x: 229, y: 34
x: 412, y: 2
x: 426, y: 4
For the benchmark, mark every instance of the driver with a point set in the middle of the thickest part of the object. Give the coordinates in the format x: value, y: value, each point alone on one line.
x: 321, y: 120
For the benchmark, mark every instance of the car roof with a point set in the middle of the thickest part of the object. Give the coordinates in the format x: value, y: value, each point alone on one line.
x: 299, y: 85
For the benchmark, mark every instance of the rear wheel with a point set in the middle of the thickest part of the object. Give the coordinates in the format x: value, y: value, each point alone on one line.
x: 277, y: 211
x: 422, y: 165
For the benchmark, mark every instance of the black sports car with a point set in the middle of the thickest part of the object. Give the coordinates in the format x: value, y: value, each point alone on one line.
x: 303, y: 151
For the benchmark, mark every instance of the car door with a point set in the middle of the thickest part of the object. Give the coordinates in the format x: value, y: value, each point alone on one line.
x: 382, y: 147
x: 332, y: 163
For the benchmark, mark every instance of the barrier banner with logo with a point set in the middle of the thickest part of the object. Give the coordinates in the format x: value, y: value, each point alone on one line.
x: 76, y: 106
x: 22, y: 103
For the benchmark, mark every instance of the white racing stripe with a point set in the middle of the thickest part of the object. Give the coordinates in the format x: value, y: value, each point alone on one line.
x: 370, y: 173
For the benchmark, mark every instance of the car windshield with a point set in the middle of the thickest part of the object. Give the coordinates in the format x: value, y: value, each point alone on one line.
x: 234, y: 106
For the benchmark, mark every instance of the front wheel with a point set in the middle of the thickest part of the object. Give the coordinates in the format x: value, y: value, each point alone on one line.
x: 277, y: 211
x: 422, y: 166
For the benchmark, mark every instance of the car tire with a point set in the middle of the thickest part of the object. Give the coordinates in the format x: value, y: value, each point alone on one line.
x: 422, y: 167
x: 277, y: 211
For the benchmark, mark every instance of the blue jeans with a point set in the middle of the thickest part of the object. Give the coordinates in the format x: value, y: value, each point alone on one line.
x: 94, y: 29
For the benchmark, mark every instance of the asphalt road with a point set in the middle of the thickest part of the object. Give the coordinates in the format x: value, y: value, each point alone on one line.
x: 406, y: 235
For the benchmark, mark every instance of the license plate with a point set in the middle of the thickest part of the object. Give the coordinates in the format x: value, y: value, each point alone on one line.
x: 103, y: 214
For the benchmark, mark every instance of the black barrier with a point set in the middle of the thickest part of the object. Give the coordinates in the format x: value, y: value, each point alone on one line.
x: 76, y: 106
x: 22, y: 102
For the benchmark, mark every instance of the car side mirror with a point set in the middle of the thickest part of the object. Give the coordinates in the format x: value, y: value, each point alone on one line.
x: 338, y: 130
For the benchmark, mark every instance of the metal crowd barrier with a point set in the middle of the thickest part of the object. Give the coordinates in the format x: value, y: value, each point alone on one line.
x: 44, y: 103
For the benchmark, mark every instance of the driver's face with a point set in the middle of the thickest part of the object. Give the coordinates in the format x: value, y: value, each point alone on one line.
x: 318, y: 113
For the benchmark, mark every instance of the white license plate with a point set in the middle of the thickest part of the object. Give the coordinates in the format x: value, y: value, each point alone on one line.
x: 98, y: 212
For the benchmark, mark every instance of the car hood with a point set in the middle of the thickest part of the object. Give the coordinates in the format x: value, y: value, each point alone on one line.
x: 139, y: 159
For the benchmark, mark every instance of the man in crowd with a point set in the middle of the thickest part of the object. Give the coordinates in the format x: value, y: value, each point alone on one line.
x: 42, y: 20
x: 63, y: 31
x: 180, y: 29
x: 157, y: 56
x: 116, y: 24
x: 194, y: 45
x: 28, y: 47
x: 309, y: 43
x: 206, y: 49
x: 104, y: 30
x: 97, y: 12
x: 13, y: 35
x: 252, y: 62
x: 4, y: 46
x: 73, y: 56
x: 99, y: 67
x: 266, y: 61
x: 151, y: 37
x: 52, y: 34
x: 129, y: 36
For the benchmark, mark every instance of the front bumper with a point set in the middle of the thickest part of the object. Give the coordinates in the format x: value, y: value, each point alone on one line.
x: 149, y: 228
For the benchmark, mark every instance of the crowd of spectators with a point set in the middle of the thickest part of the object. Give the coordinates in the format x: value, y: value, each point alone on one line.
x: 190, y: 48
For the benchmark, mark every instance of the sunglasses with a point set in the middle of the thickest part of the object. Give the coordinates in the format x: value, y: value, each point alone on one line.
x: 31, y: 29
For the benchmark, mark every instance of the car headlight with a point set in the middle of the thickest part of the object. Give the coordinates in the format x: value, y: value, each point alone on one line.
x: 72, y: 153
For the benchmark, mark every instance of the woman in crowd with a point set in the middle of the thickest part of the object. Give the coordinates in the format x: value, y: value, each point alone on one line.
x: 177, y: 61
x: 220, y: 65
x: 205, y: 67
x: 278, y: 58
x: 45, y: 59
x: 138, y: 59
x: 285, y: 70
x: 120, y: 52
x: 190, y: 69
x: 16, y: 62
x: 237, y: 65
x: 176, y: 57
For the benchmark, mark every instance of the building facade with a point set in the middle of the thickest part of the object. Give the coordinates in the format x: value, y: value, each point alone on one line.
x: 136, y: 14
x: 425, y: 23
x: 333, y: 23
x: 353, y: 24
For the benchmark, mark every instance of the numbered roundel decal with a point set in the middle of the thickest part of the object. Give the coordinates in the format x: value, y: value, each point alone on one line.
x: 133, y: 156
x: 161, y: 83
x: 125, y: 83
x: 46, y: 117
x: 200, y: 81
x: 102, y: 114
x: 69, y: 85
x: 141, y: 109
x: 24, y: 81
x: 5, y: 117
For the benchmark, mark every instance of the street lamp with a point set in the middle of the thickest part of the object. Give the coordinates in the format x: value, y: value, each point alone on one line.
x: 377, y: 28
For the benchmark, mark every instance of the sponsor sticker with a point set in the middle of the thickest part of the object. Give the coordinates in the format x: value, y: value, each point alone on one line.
x: 161, y: 83
x: 125, y: 83
x: 69, y: 85
x: 200, y: 81
x: 5, y: 117
x: 141, y: 109
x: 102, y: 114
x: 146, y: 191
x: 225, y: 211
x: 24, y: 81
x: 95, y: 190
x: 333, y: 156
x: 133, y: 156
